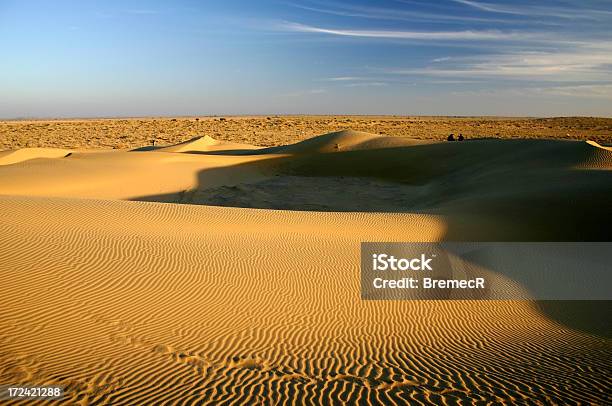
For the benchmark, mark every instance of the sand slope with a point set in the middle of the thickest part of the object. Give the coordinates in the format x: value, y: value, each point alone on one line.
x: 344, y: 140
x: 25, y: 154
x: 127, y: 302
x: 206, y: 144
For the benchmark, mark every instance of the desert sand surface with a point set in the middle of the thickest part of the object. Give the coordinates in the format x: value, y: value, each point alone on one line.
x: 216, y: 271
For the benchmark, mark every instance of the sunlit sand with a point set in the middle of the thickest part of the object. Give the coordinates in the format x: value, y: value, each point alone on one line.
x: 220, y: 271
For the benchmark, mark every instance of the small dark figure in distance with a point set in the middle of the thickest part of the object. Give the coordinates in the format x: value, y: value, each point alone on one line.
x: 451, y: 137
x: 461, y: 137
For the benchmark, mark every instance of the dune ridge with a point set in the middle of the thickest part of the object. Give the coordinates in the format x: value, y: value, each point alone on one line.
x: 344, y: 140
x: 24, y: 154
x: 205, y: 144
x: 124, y: 299
x: 481, y: 187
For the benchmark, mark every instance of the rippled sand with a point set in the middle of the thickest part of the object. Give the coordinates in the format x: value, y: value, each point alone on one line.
x: 117, y: 289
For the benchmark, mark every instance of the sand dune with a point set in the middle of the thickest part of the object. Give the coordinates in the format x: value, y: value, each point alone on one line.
x: 126, y: 300
x: 486, y: 182
x: 345, y: 140
x: 25, y: 154
x: 206, y: 144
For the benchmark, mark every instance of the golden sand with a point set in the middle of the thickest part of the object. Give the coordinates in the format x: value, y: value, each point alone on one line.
x: 124, y: 299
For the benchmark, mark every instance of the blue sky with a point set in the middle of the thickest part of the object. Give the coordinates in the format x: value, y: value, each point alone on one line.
x: 453, y: 57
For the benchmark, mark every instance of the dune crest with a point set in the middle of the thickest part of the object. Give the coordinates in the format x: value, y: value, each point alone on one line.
x: 597, y: 145
x: 205, y: 144
x: 344, y: 140
x: 25, y: 154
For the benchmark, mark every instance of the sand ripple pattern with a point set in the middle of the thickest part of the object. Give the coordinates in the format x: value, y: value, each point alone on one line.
x: 213, y: 305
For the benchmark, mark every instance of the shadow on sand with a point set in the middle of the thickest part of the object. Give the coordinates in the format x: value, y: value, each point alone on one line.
x: 485, y: 190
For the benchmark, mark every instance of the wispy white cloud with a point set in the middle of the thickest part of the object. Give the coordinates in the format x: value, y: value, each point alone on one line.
x: 565, y: 61
x: 450, y: 81
x: 580, y: 12
x: 300, y: 93
x: 581, y: 62
x: 367, y: 84
x: 442, y: 59
x: 465, y: 35
x: 342, y: 79
x: 594, y: 91
x: 603, y: 91
x: 356, y: 81
x: 393, y: 14
x: 490, y: 7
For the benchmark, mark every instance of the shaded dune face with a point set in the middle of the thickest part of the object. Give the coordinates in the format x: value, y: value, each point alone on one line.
x: 128, y: 302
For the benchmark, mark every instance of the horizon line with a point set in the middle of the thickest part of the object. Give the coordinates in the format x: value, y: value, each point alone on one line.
x: 169, y: 116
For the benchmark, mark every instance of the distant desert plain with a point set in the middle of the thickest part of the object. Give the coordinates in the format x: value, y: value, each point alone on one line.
x: 270, y: 131
x: 216, y: 260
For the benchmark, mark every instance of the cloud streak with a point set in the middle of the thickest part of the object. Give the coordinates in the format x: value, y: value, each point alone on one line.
x: 599, y: 91
x: 465, y: 35
x: 581, y: 63
x: 367, y: 84
x: 525, y: 10
x: 378, y: 13
x: 343, y: 79
x: 307, y: 92
x: 603, y: 91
